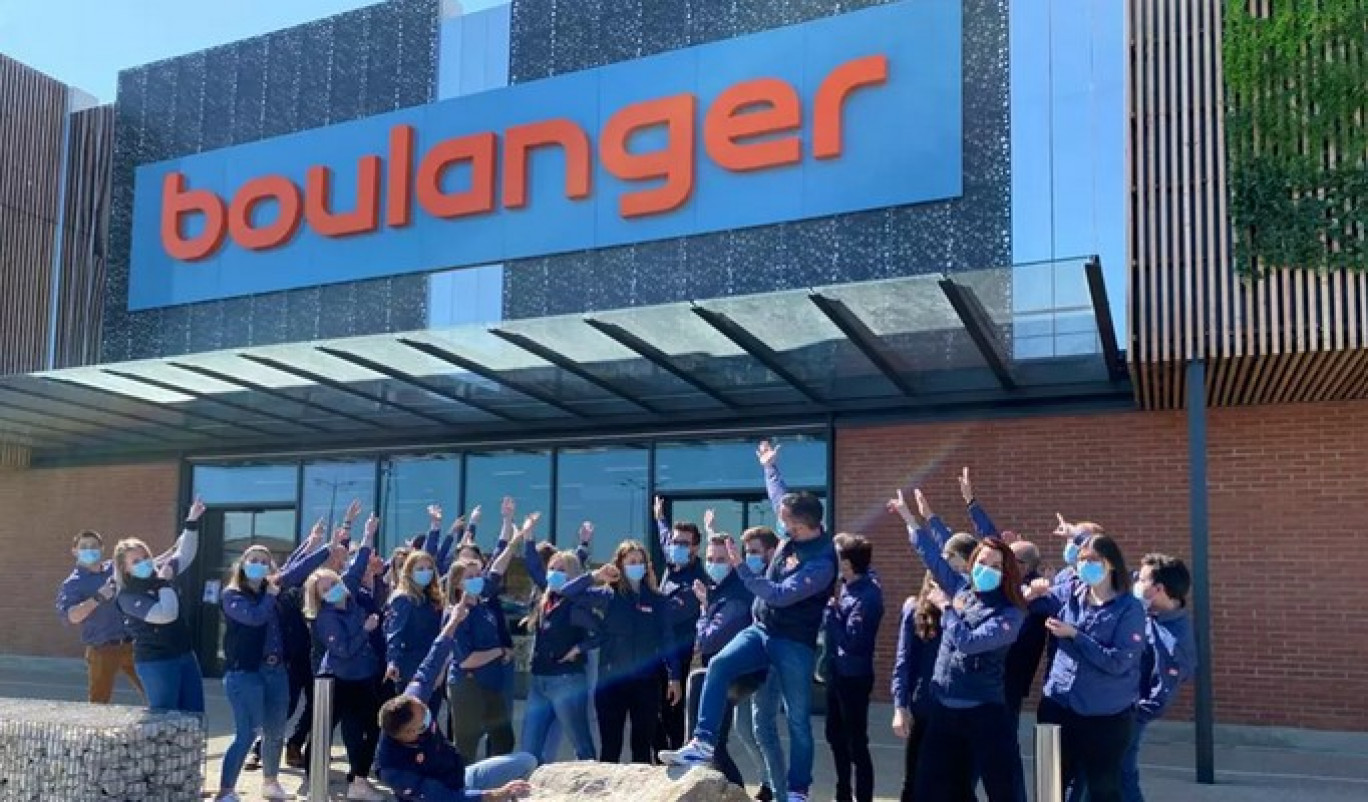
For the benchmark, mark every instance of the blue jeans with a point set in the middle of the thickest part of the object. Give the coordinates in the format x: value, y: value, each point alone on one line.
x: 1130, y: 765
x: 173, y: 684
x: 790, y: 665
x: 765, y: 706
x: 560, y: 698
x: 488, y: 775
x: 261, y: 706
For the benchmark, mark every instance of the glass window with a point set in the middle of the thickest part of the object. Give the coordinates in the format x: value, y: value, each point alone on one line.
x: 524, y: 475
x: 221, y: 485
x: 330, y: 486
x: 731, y: 464
x: 609, y: 487
x: 407, y: 486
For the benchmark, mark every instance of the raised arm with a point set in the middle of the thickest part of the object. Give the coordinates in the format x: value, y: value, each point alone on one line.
x: 500, y: 564
x: 926, y: 545
x: 315, y: 539
x: 536, y: 571
x: 296, y: 573
x: 187, y: 545
x: 430, y: 671
x: 813, y: 578
x: 768, y: 455
x: 983, y: 524
x: 662, y: 524
x: 356, y: 570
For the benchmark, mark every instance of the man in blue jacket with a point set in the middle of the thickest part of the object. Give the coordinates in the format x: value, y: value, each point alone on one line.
x: 680, y: 544
x: 86, y: 599
x: 852, y: 628
x: 790, y: 599
x: 1170, y: 656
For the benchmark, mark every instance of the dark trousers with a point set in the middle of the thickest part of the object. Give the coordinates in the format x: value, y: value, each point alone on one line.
x: 1092, y: 750
x: 356, y: 706
x: 959, y: 739
x: 670, y: 733
x: 847, y: 733
x: 479, y: 711
x: 722, y: 759
x: 637, y: 699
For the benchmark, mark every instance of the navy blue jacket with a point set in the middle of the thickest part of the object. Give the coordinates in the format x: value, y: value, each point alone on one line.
x: 977, y: 630
x: 477, y: 633
x: 677, y: 586
x: 411, y: 625
x: 1097, y: 672
x: 253, y: 629
x: 561, y: 627
x: 1170, y: 659
x: 728, y: 612
x: 349, y: 653
x: 635, y: 637
x: 429, y: 769
x: 914, y: 665
x: 852, y: 627
x: 105, y: 624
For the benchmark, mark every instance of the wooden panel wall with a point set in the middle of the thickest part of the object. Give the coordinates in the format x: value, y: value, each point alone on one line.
x: 1294, y: 335
x: 85, y: 236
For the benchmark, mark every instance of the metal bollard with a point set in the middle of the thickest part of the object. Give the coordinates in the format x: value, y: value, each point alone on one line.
x: 1048, y: 774
x: 320, y: 740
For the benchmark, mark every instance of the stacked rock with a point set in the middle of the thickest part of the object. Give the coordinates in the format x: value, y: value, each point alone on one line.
x: 76, y: 752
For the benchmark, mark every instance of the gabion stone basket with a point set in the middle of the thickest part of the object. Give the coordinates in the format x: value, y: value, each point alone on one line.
x: 77, y: 752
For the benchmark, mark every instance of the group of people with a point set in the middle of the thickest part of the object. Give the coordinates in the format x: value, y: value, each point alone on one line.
x: 761, y: 615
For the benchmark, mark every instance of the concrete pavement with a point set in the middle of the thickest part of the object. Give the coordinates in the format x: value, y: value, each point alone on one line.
x: 1253, y: 765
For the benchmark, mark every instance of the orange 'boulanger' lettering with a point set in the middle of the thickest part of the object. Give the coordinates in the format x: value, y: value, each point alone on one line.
x: 752, y: 109
x: 674, y: 163
x: 518, y: 144
x: 831, y: 97
x: 318, y: 193
x: 477, y: 150
x: 177, y: 202
x: 245, y: 231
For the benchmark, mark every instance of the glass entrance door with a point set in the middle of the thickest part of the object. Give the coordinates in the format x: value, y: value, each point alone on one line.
x: 734, y: 514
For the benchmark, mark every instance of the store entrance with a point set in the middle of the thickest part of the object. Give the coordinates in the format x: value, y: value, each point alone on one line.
x: 734, y: 513
x: 224, y: 535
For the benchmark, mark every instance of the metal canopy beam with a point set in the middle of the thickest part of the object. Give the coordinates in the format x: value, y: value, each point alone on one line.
x: 257, y: 387
x: 658, y: 358
x: 342, y: 387
x: 1106, y: 330
x: 76, y: 434
x: 414, y: 381
x: 889, y: 362
x: 572, y: 367
x: 56, y: 399
x: 133, y: 399
x: 203, y: 396
x: 471, y: 366
x: 757, y: 350
x: 980, y: 328
x: 63, y: 435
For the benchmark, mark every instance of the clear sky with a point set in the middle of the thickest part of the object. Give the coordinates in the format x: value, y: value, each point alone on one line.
x: 86, y: 42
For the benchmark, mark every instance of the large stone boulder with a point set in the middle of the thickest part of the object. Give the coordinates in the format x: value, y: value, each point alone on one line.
x: 609, y: 782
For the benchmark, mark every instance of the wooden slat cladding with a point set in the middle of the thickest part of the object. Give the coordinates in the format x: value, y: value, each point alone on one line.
x: 32, y: 114
x: 85, y: 234
x: 1293, y: 335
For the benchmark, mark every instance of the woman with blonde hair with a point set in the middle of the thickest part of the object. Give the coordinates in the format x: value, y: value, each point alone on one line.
x: 413, y: 617
x: 559, y: 688
x: 634, y: 641
x: 163, y: 648
x: 256, y: 677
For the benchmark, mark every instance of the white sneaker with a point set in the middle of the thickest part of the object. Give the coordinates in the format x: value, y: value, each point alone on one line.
x: 361, y: 790
x: 271, y: 789
x: 693, y: 753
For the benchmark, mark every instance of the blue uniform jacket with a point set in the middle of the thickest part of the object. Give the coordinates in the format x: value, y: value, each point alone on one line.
x: 411, y: 625
x: 914, y: 665
x: 477, y: 633
x: 977, y: 630
x: 677, y: 586
x: 635, y: 637
x: 1170, y: 659
x: 728, y: 612
x: 349, y: 653
x: 252, y: 618
x: 1097, y: 672
x: 429, y: 769
x: 852, y: 627
x: 105, y: 624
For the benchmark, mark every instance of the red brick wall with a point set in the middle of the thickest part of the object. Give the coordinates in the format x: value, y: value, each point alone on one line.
x: 41, y: 510
x: 1288, y: 503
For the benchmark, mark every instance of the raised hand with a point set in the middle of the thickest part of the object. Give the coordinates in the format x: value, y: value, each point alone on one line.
x: 766, y: 452
x: 508, y: 508
x: 966, y: 487
x: 898, y: 506
x: 435, y: 515
x: 475, y: 515
x: 353, y: 510
x: 1064, y: 529
x: 658, y: 508
x: 317, y: 533
x: 372, y: 526
x: 709, y: 517
x: 586, y: 533
x: 196, y: 510
x: 923, y: 506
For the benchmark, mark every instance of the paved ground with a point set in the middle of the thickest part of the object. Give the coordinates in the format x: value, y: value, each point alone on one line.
x: 1253, y: 766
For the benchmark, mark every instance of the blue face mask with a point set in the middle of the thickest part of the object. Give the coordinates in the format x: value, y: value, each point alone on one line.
x: 89, y: 556
x: 678, y: 555
x: 635, y: 572
x: 1071, y: 553
x: 335, y: 594
x: 986, y: 578
x: 422, y: 577
x: 255, y: 571
x: 474, y: 585
x: 1092, y: 573
x: 143, y: 569
x: 756, y: 563
x: 718, y: 572
x: 555, y: 580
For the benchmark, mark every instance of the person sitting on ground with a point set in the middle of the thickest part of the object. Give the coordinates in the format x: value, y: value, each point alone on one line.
x: 422, y: 766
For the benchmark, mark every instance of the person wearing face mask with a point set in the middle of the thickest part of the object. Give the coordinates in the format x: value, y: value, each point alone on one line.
x: 477, y: 679
x: 86, y: 599
x: 725, y: 604
x: 422, y: 766
x: 562, y: 635
x: 679, y: 543
x: 1170, y: 657
x: 970, y: 727
x: 345, y: 627
x: 757, y: 720
x: 852, y: 627
x: 790, y: 600
x: 1093, y: 686
x: 412, y: 620
x: 914, y: 669
x: 163, y: 648
x: 634, y: 641
x: 256, y: 679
